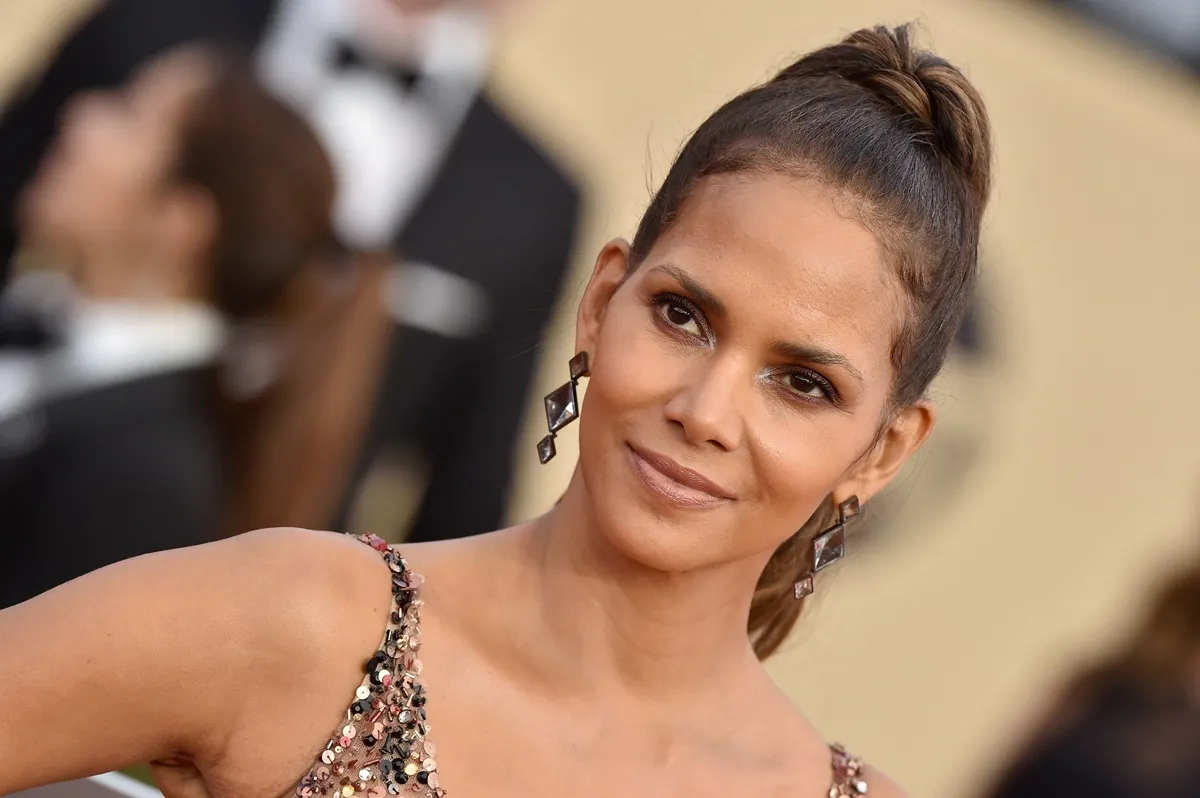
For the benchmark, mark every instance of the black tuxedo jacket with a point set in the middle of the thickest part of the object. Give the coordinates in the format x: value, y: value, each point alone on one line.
x: 500, y: 215
x: 95, y: 477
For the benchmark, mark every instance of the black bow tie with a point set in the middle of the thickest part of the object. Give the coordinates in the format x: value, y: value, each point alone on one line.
x: 347, y: 56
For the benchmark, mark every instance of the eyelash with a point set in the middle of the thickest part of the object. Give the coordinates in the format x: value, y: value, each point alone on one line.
x: 663, y: 301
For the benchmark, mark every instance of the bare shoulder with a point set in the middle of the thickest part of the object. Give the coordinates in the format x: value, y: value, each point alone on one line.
x: 880, y: 786
x: 311, y: 586
x: 814, y: 766
x: 183, y: 646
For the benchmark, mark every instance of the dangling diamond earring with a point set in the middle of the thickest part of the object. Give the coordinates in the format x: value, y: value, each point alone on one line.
x: 829, y: 546
x: 562, y: 406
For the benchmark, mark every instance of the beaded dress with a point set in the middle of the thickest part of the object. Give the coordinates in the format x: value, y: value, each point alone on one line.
x: 383, y: 748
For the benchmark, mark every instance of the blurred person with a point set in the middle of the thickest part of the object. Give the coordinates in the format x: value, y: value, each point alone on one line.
x: 1128, y: 726
x: 108, y: 47
x: 185, y: 207
x: 758, y: 359
x: 478, y: 222
x: 293, y: 444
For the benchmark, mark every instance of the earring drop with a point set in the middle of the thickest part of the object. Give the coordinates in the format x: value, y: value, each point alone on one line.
x: 829, y: 546
x: 562, y: 406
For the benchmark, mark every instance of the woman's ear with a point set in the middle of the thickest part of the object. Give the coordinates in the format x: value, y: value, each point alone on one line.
x: 612, y: 266
x: 904, y: 434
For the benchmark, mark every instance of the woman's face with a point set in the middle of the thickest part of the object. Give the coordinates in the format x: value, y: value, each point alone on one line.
x: 101, y: 187
x: 740, y: 376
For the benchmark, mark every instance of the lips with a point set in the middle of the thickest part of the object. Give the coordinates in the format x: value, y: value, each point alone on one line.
x: 674, y: 483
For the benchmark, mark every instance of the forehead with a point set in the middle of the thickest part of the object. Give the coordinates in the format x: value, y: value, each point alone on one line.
x: 786, y: 255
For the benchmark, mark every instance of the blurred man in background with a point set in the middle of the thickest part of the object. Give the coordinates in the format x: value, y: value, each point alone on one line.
x: 482, y: 220
x: 184, y: 207
x: 476, y: 221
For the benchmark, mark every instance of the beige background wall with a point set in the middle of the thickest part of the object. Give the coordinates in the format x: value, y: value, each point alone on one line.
x: 1063, y: 480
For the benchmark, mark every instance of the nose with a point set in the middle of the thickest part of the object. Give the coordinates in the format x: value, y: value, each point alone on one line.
x: 707, y: 407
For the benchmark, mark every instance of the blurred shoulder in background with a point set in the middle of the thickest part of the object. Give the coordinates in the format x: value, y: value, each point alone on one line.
x: 1129, y: 726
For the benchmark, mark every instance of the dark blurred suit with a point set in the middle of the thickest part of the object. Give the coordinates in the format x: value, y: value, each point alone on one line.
x: 108, y: 443
x: 121, y: 471
x: 502, y: 217
x: 1126, y: 743
x: 494, y: 228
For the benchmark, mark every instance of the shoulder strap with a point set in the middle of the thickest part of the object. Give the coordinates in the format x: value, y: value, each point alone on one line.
x: 849, y: 774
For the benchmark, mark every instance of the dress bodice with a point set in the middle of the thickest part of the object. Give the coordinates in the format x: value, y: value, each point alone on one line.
x: 383, y: 748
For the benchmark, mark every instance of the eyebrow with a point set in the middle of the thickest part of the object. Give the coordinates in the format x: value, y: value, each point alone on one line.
x: 784, y: 349
x: 702, y: 294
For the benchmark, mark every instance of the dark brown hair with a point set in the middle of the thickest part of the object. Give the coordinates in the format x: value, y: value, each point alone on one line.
x: 270, y: 180
x: 271, y: 261
x: 906, y: 137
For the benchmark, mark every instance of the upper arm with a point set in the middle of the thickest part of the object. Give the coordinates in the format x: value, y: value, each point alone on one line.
x: 159, y: 656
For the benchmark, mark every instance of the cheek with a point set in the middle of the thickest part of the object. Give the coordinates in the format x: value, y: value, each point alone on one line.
x: 110, y: 196
x: 634, y: 370
x: 798, y: 465
x: 634, y: 364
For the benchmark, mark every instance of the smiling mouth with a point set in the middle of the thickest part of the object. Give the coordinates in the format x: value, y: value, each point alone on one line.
x: 674, y: 484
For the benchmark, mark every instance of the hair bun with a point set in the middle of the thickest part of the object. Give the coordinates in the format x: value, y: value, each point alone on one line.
x: 945, y: 107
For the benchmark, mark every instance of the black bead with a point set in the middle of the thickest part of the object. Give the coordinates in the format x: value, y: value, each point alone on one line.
x: 401, y: 777
x: 369, y: 741
x: 423, y: 777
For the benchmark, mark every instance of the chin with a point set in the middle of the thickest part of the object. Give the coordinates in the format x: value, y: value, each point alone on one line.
x: 651, y: 531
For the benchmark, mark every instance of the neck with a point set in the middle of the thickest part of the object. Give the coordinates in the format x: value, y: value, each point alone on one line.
x: 106, y: 276
x: 607, y: 620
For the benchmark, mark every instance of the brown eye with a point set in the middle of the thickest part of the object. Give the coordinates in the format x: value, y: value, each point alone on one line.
x: 677, y: 315
x: 680, y: 316
x: 806, y: 385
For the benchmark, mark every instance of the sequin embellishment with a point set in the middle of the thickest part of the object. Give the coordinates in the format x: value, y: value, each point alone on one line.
x: 849, y: 779
x: 382, y: 748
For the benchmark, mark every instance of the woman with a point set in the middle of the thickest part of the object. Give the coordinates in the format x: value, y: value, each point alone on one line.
x: 757, y: 359
x: 185, y: 206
